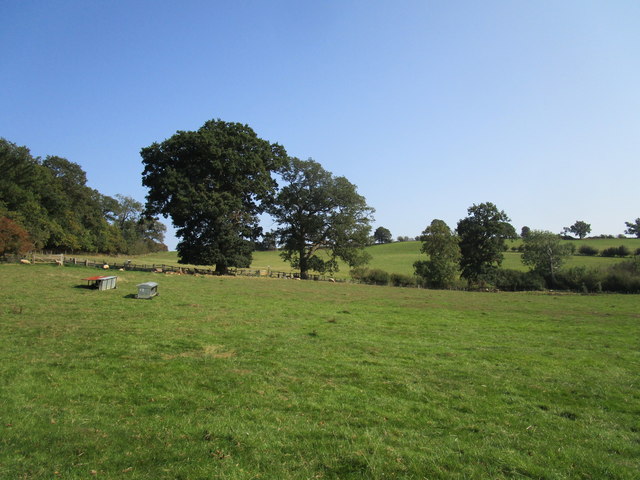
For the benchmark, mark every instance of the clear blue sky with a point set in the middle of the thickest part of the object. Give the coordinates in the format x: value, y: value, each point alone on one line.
x: 427, y: 106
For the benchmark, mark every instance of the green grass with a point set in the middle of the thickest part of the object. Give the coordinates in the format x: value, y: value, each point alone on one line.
x: 240, y: 378
x: 398, y: 257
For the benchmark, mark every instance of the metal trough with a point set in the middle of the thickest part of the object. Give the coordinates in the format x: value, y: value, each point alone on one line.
x: 102, y: 282
x: 147, y: 290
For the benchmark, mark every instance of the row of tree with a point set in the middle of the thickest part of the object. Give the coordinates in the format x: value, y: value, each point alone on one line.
x: 475, y: 250
x: 580, y: 229
x: 46, y: 204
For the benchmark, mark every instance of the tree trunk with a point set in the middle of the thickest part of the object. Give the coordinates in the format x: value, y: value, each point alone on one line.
x: 221, y: 269
x: 304, y: 265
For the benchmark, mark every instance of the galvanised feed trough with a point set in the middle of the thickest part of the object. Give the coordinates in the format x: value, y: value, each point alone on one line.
x: 147, y: 290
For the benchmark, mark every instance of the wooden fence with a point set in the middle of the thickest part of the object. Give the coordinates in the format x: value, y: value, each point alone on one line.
x: 159, y: 268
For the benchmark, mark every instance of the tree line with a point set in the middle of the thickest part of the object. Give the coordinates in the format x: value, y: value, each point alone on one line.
x: 215, y: 183
x: 46, y: 204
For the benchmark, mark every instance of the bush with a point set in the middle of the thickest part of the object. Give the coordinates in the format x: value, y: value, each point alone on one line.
x: 588, y: 250
x: 370, y: 277
x: 401, y: 280
x: 620, y: 251
x: 579, y: 279
x: 622, y: 282
x: 516, y: 280
x: 637, y: 252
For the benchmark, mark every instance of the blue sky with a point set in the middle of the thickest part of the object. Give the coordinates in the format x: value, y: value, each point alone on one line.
x: 427, y: 106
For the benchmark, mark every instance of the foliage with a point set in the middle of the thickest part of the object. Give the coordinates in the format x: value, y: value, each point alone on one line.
x: 545, y: 253
x: 213, y: 183
x: 322, y: 218
x: 441, y: 270
x: 13, y: 238
x: 623, y: 277
x: 50, y: 199
x: 588, y: 250
x: 516, y: 280
x: 382, y: 235
x: 621, y: 251
x: 525, y: 231
x: 581, y: 229
x: 633, y: 228
x: 482, y: 235
x: 375, y: 276
x: 402, y: 280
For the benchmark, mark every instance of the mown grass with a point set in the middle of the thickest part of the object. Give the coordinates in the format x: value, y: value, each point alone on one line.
x: 258, y: 378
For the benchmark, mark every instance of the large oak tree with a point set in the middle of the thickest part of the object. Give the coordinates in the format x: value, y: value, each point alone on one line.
x: 213, y: 183
x: 482, y: 237
x: 322, y: 219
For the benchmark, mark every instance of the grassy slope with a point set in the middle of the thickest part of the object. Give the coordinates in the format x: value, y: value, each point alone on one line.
x: 256, y: 378
x: 398, y: 257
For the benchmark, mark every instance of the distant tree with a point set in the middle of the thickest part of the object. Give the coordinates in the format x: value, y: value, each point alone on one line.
x: 213, y: 183
x: 441, y: 270
x: 382, y: 235
x: 482, y: 240
x: 525, y: 231
x: 633, y: 228
x: 269, y: 242
x: 545, y: 253
x: 13, y: 238
x: 139, y: 233
x: 403, y: 238
x: 322, y: 218
x: 580, y: 229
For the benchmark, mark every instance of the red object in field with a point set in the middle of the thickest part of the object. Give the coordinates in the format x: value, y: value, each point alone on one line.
x: 102, y: 282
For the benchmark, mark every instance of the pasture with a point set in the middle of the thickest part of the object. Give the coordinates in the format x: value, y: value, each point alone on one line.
x: 240, y: 378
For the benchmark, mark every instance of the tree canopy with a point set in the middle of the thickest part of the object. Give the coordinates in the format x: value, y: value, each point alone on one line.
x: 482, y: 240
x: 544, y: 252
x: 50, y: 201
x: 322, y: 218
x: 581, y: 229
x: 439, y: 242
x: 633, y: 228
x: 213, y: 183
x: 382, y: 235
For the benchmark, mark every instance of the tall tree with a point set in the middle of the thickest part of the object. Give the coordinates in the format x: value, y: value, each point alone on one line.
x: 322, y: 219
x: 482, y: 240
x: 439, y: 242
x: 544, y: 252
x: 581, y: 229
x: 213, y: 183
x: 382, y: 235
x: 633, y: 228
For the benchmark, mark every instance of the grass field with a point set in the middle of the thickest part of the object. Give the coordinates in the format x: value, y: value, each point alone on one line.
x: 239, y: 378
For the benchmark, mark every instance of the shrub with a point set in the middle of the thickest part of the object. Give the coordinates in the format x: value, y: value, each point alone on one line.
x: 376, y: 277
x: 621, y: 281
x: 580, y: 279
x: 401, y: 280
x: 516, y: 280
x: 358, y: 273
x: 637, y: 252
x: 588, y: 250
x: 370, y: 277
x: 620, y: 251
